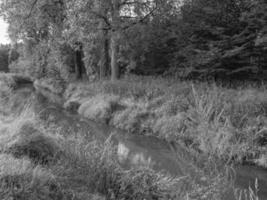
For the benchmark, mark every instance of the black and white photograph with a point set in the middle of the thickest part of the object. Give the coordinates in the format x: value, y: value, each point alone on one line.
x: 133, y: 100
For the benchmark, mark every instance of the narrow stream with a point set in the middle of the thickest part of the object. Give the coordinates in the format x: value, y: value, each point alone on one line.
x: 135, y: 149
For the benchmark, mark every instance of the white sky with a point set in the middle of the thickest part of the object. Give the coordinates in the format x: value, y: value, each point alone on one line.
x: 4, y: 39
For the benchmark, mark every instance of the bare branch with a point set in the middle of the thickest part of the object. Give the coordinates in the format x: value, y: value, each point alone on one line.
x: 102, y: 17
x: 140, y: 20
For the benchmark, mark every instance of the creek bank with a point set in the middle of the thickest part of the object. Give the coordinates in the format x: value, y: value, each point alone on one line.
x: 15, y: 81
x: 96, y: 158
x: 79, y: 165
x: 223, y: 122
x: 144, y: 149
x: 51, y: 85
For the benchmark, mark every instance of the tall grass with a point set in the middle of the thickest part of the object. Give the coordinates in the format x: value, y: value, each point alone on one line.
x: 248, y: 194
x: 19, y: 179
x: 202, y: 116
x: 217, y: 120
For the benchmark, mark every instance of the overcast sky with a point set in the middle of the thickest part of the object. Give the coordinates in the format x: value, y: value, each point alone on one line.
x: 3, y: 32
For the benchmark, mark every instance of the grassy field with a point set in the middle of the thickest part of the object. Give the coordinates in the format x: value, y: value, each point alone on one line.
x: 39, y: 163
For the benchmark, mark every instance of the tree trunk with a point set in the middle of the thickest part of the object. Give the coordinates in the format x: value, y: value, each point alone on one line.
x: 78, y: 63
x: 114, y: 47
x: 104, y: 64
x: 106, y: 53
x: 114, y: 57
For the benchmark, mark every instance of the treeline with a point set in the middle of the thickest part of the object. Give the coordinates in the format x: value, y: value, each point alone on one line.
x: 107, y: 38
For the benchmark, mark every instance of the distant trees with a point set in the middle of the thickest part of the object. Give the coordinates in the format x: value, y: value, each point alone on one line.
x: 220, y: 38
x: 189, y: 38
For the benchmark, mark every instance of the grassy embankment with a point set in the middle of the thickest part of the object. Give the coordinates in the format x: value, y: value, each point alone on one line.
x: 228, y: 123
x: 38, y: 163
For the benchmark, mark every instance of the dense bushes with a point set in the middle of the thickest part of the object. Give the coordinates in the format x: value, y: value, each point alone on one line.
x: 221, y: 39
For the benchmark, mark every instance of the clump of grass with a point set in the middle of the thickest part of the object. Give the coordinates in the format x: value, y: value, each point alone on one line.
x: 19, y: 179
x: 30, y: 142
x: 11, y: 125
x: 54, y: 85
x: 132, y: 119
x: 7, y: 79
x: 167, y: 125
x: 247, y: 194
x: 21, y: 137
x: 93, y: 167
x: 6, y: 87
x: 99, y: 108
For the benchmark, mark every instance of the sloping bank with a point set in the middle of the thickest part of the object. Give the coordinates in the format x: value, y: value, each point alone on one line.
x: 38, y: 162
x: 227, y: 123
x: 14, y: 80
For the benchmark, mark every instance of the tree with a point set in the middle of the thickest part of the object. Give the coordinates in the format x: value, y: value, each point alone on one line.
x: 40, y: 28
x: 211, y: 32
x: 90, y: 19
x: 4, y: 49
x: 115, y: 35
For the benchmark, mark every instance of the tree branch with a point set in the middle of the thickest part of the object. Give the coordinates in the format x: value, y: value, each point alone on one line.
x: 102, y: 17
x: 140, y: 20
x: 32, y: 7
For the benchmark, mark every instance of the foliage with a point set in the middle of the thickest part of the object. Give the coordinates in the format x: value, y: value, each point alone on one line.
x: 190, y: 39
x: 221, y: 39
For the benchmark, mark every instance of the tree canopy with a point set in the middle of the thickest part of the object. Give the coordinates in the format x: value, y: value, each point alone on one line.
x: 190, y: 38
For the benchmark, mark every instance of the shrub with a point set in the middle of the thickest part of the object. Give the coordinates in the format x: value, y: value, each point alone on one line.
x: 99, y: 107
x: 30, y: 142
x: 53, y: 85
x: 21, y: 137
x: 133, y: 119
x: 171, y: 128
